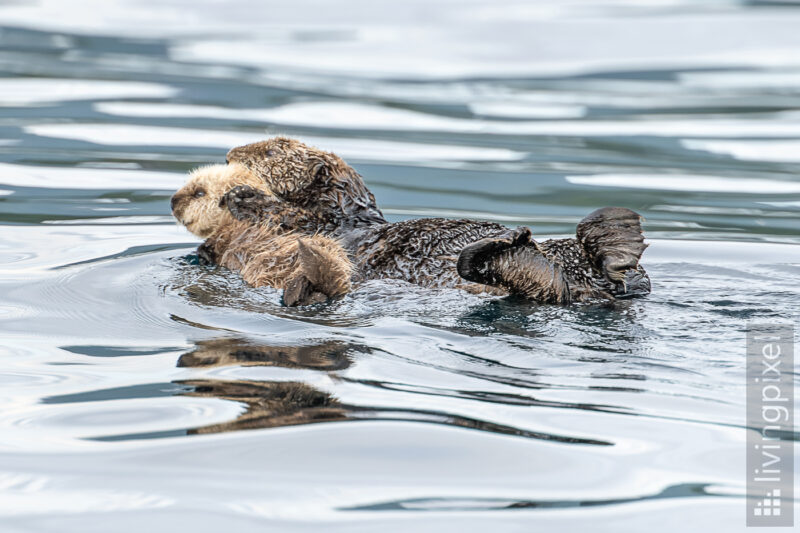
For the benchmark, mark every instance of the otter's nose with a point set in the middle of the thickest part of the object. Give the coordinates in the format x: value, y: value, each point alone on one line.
x: 173, y: 201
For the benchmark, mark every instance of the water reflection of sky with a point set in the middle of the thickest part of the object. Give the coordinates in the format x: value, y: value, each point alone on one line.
x: 135, y: 380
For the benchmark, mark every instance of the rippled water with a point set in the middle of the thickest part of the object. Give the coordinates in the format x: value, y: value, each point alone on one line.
x: 140, y: 390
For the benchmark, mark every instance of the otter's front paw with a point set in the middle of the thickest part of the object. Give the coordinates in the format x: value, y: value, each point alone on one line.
x: 300, y: 291
x: 245, y: 203
x: 206, y: 255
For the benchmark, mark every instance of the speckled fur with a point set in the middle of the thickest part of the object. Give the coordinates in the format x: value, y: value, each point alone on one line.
x: 422, y: 251
x: 319, y: 191
x: 584, y: 280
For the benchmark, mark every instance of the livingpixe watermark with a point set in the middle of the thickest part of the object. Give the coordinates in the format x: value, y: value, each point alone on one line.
x: 770, y: 423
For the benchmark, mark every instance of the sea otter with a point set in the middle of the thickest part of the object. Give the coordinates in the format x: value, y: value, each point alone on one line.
x: 310, y: 268
x: 317, y: 192
x: 312, y: 190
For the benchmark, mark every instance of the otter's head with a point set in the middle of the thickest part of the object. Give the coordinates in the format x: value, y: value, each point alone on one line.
x: 309, y: 177
x: 287, y: 165
x: 198, y: 205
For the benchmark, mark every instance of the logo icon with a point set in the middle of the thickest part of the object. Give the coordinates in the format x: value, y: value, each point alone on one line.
x: 770, y: 505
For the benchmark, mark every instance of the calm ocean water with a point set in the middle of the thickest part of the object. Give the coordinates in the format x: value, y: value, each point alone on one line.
x: 140, y: 391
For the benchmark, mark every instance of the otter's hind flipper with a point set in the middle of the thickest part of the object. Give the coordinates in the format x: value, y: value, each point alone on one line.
x: 322, y: 275
x: 513, y: 262
x: 612, y: 239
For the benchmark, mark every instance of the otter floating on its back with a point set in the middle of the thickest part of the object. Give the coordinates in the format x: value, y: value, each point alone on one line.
x: 317, y: 192
x: 310, y: 268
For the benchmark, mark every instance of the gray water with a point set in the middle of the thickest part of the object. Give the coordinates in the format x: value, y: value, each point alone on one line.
x: 140, y: 391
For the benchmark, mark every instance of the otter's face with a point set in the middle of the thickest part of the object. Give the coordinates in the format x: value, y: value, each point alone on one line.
x: 286, y: 165
x: 197, y: 205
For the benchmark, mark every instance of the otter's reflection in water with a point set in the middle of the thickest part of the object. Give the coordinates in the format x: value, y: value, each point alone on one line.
x: 286, y: 403
x: 233, y: 351
x: 269, y: 403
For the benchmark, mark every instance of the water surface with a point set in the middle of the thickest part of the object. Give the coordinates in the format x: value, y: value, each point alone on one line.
x: 140, y: 390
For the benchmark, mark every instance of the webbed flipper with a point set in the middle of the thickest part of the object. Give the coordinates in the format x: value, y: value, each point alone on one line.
x: 514, y: 262
x: 612, y: 239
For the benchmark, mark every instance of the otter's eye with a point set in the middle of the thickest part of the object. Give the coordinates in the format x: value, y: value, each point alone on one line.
x: 270, y: 153
x: 199, y: 194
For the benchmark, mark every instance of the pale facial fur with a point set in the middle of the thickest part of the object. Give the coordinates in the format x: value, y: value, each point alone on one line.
x: 197, y: 204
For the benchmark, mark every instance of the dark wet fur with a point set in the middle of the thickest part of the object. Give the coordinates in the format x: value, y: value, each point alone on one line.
x: 320, y: 194
x: 515, y: 262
